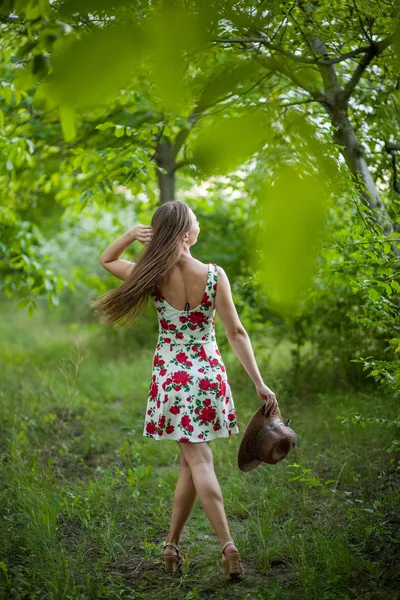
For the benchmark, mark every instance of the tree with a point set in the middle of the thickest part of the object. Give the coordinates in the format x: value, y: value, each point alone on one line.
x: 154, y: 90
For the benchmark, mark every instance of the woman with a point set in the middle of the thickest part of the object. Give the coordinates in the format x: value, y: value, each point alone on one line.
x: 190, y: 399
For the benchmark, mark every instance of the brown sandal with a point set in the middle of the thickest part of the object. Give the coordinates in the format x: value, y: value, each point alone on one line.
x: 173, y: 562
x: 233, y: 568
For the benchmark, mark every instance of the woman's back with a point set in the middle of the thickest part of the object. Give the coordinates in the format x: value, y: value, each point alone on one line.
x: 185, y: 284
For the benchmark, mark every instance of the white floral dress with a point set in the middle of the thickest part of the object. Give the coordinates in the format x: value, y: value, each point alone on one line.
x: 190, y: 398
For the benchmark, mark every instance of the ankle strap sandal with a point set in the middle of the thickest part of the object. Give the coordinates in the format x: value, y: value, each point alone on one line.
x: 233, y: 568
x: 173, y: 562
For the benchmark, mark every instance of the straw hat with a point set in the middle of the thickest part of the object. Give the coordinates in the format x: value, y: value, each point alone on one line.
x: 267, y: 438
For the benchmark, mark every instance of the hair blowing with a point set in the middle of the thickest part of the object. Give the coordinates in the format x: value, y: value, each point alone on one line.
x: 129, y: 300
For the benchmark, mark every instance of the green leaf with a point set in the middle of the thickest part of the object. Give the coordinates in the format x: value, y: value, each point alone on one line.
x: 91, y: 70
x: 67, y: 118
x: 119, y: 131
x: 374, y: 295
x: 106, y: 125
x: 23, y: 302
x: 231, y: 141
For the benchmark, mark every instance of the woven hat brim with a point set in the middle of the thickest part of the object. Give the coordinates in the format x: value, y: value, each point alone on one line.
x: 245, y: 459
x: 250, y: 465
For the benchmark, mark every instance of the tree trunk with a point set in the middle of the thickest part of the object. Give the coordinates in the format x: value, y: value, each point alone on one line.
x: 353, y: 153
x: 165, y: 159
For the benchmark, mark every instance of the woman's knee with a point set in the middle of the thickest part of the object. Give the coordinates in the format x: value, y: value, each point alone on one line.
x: 196, y: 454
x: 183, y: 463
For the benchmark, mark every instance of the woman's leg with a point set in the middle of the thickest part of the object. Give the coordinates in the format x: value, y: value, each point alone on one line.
x: 200, y: 460
x: 184, y: 499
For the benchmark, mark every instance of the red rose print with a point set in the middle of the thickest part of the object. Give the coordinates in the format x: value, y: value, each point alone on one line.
x: 174, y: 410
x: 179, y: 335
x: 166, y: 398
x: 196, y: 410
x: 177, y: 387
x: 181, y: 357
x: 201, y: 435
x: 167, y: 340
x: 214, y: 386
x: 192, y: 327
x: 207, y: 402
x: 153, y: 391
x: 202, y: 353
x: 232, y: 416
x: 204, y: 384
x: 227, y: 400
x: 201, y: 370
x: 184, y: 439
x: 158, y: 403
x: 217, y: 352
x: 169, y: 429
x: 161, y: 421
x: 151, y: 428
x: 149, y: 412
x: 160, y: 432
x: 194, y: 348
x: 191, y: 428
x: 206, y: 299
x: 172, y: 326
x: 222, y: 388
x: 214, y: 362
x: 183, y: 319
x: 207, y: 414
x: 197, y: 318
x: 222, y: 368
x: 216, y: 426
x: 164, y: 324
x: 181, y: 377
x: 185, y: 421
x: 163, y: 372
x: 158, y: 361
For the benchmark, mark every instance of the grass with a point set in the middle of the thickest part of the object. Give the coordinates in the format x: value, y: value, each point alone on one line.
x: 85, y: 499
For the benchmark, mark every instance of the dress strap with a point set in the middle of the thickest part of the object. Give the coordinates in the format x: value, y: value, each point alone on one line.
x: 213, y: 280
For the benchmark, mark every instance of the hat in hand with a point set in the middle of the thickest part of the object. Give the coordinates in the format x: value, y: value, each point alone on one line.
x: 267, y: 438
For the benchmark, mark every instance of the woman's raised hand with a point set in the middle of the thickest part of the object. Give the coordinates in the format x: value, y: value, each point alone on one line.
x: 268, y: 396
x: 142, y: 233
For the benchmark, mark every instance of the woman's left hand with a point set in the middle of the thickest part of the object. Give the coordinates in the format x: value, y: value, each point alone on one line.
x: 142, y: 233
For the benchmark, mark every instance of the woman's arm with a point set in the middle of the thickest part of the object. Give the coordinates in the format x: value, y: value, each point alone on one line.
x: 238, y: 337
x: 110, y: 259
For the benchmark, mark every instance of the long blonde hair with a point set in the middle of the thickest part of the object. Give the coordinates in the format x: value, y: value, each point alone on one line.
x: 156, y: 260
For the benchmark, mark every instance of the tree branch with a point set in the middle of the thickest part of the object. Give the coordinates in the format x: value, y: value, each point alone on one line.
x: 274, y: 65
x: 301, y: 59
x: 389, y: 146
x: 374, y: 49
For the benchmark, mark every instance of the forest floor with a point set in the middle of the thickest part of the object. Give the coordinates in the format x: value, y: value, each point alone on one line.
x: 85, y: 498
